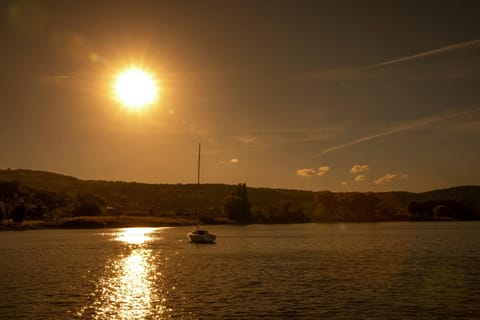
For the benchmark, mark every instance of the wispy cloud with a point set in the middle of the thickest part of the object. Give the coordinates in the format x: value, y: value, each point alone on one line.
x: 463, y: 67
x: 386, y: 178
x: 247, y: 138
x: 400, y: 128
x: 307, y: 172
x: 310, y: 172
x: 266, y: 138
x: 57, y: 78
x: 233, y: 161
x: 359, y: 168
x: 427, y: 54
x: 323, y: 170
x: 360, y: 177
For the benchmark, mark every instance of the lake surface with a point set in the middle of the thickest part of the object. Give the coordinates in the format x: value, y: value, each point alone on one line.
x: 306, y: 271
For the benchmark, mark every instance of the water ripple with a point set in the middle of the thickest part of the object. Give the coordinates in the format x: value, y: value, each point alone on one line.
x: 311, y: 271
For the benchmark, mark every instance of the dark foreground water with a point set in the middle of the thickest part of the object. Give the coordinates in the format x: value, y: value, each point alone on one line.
x: 309, y: 271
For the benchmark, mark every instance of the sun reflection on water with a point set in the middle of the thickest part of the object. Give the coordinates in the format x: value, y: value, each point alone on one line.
x: 135, y: 235
x: 128, y: 289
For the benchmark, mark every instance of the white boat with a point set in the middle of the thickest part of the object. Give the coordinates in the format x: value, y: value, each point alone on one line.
x: 201, y: 236
x: 198, y: 235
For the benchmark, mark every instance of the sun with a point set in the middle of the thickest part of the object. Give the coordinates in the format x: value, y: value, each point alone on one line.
x: 135, y: 88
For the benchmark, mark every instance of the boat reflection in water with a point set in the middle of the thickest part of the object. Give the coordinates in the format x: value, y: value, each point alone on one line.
x: 128, y: 291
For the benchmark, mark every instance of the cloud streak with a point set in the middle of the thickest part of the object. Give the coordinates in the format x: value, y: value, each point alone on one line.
x: 386, y: 178
x: 377, y: 70
x: 323, y: 170
x: 359, y: 168
x: 360, y: 177
x: 307, y: 172
x: 310, y: 172
x: 291, y: 135
x: 401, y: 128
x: 426, y: 54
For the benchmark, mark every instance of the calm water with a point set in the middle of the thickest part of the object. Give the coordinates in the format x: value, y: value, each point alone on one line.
x: 309, y: 271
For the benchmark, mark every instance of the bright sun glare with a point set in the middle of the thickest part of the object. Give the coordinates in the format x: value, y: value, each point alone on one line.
x: 136, y: 88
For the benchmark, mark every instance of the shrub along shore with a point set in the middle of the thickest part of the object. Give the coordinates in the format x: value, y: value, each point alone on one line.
x: 35, y: 199
x: 89, y: 222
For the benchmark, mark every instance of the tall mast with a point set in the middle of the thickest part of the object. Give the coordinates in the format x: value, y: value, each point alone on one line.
x: 198, y: 169
x: 198, y: 186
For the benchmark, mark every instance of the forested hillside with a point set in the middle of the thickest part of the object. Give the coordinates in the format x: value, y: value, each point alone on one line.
x: 36, y: 195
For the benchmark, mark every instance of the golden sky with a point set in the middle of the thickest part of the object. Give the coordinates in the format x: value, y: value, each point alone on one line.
x: 312, y: 95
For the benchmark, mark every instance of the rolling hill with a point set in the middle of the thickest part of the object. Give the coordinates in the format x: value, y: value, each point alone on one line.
x: 56, y: 190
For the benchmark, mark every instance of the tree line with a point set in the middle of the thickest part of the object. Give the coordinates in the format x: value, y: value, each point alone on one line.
x: 35, y: 198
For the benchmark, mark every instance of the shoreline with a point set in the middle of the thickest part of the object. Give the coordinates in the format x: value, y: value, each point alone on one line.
x: 97, y: 222
x: 106, y: 222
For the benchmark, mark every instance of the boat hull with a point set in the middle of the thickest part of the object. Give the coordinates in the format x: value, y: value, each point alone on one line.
x: 201, y: 237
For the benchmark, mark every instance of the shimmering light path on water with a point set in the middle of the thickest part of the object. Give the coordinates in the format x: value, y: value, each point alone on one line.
x: 128, y: 290
x: 309, y: 271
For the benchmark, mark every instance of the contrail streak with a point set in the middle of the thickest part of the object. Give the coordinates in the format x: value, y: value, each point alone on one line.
x: 452, y: 47
x: 360, y: 72
x: 405, y: 127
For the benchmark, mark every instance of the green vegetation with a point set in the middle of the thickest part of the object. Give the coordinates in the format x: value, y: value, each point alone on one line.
x: 41, y: 199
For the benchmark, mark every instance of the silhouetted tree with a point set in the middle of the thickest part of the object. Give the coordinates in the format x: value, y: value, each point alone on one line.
x: 443, y: 211
x: 37, y: 213
x: 18, y: 213
x: 87, y: 205
x: 349, y: 206
x: 284, y: 212
x: 326, y: 206
x: 237, y: 207
x: 440, y: 209
x: 8, y: 189
x: 358, y: 206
